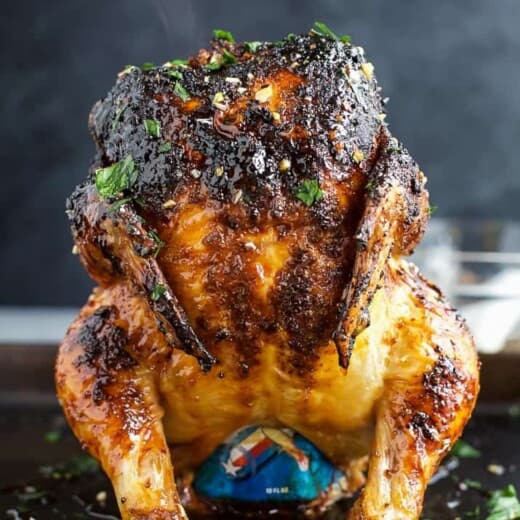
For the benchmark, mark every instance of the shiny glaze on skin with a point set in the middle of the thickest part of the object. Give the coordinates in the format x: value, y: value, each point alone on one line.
x: 261, y: 292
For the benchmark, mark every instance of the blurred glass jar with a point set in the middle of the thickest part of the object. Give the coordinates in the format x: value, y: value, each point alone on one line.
x: 477, y: 264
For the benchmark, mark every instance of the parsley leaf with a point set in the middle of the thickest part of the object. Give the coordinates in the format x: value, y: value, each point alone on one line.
x: 177, y: 74
x: 432, y: 210
x: 228, y: 58
x: 252, y: 46
x: 320, y: 29
x: 118, y: 203
x: 179, y: 63
x: 503, y: 504
x: 148, y: 65
x: 157, y: 292
x: 219, y: 60
x: 464, y: 450
x: 219, y: 34
x: 52, y: 437
x: 112, y: 180
x: 180, y: 91
x: 117, y: 117
x: 153, y: 127
x: 128, y: 68
x: 309, y: 192
x: 160, y: 244
x: 166, y: 147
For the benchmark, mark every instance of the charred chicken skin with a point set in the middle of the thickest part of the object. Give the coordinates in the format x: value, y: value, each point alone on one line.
x: 246, y: 219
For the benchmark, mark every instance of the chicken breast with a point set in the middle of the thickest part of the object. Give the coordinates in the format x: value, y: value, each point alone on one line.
x: 245, y: 218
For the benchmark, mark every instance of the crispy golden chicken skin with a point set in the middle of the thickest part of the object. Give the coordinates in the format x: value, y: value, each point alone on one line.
x: 245, y: 219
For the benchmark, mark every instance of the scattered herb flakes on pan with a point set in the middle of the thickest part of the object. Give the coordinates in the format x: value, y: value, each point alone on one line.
x: 113, y: 179
x: 472, y: 484
x: 30, y: 494
x: 464, y: 450
x: 309, y: 192
x: 503, y: 504
x: 52, y: 437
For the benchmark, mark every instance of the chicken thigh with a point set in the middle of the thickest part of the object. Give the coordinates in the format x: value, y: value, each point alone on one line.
x: 246, y: 219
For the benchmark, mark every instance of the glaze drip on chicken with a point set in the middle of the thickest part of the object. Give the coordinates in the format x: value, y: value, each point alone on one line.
x: 245, y: 219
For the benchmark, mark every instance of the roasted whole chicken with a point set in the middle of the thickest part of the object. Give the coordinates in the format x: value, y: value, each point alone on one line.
x: 245, y: 220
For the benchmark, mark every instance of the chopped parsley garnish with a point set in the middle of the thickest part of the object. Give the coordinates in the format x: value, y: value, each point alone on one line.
x: 369, y: 186
x: 180, y: 91
x: 219, y: 34
x: 128, y: 68
x: 431, y: 210
x: 52, y: 437
x: 514, y: 411
x: 228, y: 58
x: 309, y: 192
x: 219, y: 60
x: 166, y: 147
x: 148, y: 65
x: 393, y: 145
x: 113, y: 179
x: 157, y: 292
x: 117, y: 117
x: 464, y: 450
x: 118, y: 203
x: 252, y: 46
x: 177, y: 74
x: 472, y: 484
x: 74, y: 467
x: 29, y: 496
x: 320, y: 29
x: 160, y: 244
x: 178, y: 63
x: 503, y: 504
x: 153, y: 127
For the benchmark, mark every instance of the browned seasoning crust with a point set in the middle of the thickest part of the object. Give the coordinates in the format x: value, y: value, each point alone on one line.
x: 328, y: 127
x: 225, y: 294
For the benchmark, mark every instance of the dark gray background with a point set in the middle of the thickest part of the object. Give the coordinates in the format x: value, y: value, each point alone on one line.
x: 450, y: 68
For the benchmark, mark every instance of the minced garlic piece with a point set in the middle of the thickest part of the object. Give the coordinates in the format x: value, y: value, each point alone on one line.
x: 367, y: 69
x: 219, y: 100
x: 358, y: 156
x: 264, y: 94
x: 284, y: 165
x: 169, y: 204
